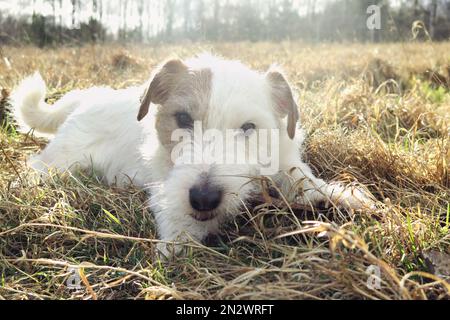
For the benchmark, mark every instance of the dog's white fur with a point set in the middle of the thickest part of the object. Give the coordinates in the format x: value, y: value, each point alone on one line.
x: 97, y: 128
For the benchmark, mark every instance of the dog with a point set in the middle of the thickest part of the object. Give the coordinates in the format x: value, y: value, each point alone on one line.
x: 126, y: 136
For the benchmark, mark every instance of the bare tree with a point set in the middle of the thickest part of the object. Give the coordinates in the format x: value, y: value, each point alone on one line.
x: 187, y: 16
x: 433, y: 12
x: 216, y: 18
x: 60, y: 31
x: 53, y: 5
x: 80, y: 8
x: 200, y: 17
x: 124, y: 14
x: 149, y: 20
x: 447, y: 7
x: 169, y: 15
x: 60, y: 12
x: 140, y: 9
x: 100, y: 10
x: 416, y: 8
x: 95, y: 9
x: 74, y: 11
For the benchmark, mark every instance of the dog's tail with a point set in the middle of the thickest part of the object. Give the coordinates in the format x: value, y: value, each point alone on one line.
x: 31, y: 111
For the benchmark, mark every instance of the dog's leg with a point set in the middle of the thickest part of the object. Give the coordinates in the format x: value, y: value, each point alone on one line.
x: 59, y: 155
x: 315, y: 190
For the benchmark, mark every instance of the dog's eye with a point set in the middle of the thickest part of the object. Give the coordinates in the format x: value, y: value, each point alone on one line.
x: 248, y: 128
x: 184, y: 120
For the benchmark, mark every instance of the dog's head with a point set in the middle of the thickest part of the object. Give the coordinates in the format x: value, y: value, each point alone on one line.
x: 231, y: 108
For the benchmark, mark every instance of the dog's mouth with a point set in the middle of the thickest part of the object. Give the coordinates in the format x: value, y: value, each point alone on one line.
x: 204, y: 215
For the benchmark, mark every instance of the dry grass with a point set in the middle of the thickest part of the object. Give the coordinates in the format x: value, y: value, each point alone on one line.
x: 391, y: 135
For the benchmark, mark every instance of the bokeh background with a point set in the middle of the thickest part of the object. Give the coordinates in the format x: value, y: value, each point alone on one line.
x: 45, y: 22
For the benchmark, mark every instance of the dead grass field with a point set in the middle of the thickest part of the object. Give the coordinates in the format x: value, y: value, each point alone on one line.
x: 379, y: 114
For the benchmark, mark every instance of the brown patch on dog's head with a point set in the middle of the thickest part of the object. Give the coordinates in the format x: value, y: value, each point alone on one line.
x: 163, y: 83
x: 284, y: 99
x: 176, y: 87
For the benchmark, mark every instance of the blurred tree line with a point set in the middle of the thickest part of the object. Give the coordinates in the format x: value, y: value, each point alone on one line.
x: 82, y: 21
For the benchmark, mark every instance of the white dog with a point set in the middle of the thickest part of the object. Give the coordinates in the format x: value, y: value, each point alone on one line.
x: 97, y: 129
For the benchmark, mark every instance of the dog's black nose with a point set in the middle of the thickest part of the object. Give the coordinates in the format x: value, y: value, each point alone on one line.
x: 205, y: 197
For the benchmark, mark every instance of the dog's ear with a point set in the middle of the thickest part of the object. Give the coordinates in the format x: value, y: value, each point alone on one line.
x: 164, y: 80
x: 284, y: 99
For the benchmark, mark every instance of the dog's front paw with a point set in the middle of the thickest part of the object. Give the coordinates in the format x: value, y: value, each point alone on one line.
x: 352, y: 198
x: 169, y: 250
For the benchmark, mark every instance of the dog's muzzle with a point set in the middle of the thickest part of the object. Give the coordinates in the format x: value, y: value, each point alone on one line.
x: 204, y: 199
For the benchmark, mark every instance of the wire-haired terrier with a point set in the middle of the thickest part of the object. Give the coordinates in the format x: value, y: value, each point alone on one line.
x: 235, y: 124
